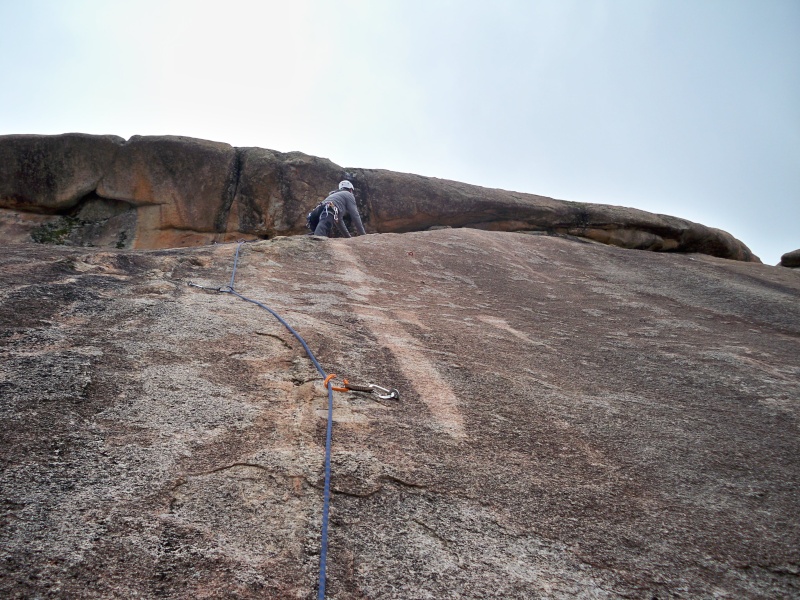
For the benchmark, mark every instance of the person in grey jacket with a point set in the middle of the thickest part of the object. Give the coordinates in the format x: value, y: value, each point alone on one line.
x: 335, y: 208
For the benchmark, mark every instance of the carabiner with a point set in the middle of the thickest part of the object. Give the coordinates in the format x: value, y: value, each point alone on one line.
x: 386, y: 394
x: 392, y: 394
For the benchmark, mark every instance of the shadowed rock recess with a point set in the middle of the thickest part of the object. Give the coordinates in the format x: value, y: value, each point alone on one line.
x: 576, y: 420
x: 160, y: 192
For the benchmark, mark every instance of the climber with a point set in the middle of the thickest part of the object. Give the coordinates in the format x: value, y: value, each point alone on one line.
x: 334, y: 209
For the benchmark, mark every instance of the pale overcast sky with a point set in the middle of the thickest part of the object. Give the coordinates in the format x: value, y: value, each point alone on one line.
x: 684, y: 107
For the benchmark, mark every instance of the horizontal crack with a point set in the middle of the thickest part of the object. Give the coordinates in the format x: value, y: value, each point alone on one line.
x: 227, y: 467
x: 277, y: 337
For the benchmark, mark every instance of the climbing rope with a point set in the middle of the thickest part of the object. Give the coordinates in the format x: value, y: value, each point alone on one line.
x: 387, y: 394
x: 326, y: 493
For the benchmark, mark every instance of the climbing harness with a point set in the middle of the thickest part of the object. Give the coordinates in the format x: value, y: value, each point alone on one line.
x: 326, y: 207
x: 381, y: 392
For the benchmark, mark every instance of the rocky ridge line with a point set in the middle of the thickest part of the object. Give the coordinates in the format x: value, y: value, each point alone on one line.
x: 168, y: 191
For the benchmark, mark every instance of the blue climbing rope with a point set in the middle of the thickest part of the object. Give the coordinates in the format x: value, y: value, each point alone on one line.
x: 326, y: 494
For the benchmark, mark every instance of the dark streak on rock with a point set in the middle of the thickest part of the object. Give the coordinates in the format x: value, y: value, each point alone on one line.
x: 231, y: 188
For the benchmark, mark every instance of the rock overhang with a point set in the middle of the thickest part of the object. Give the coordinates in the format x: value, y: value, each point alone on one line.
x: 185, y: 191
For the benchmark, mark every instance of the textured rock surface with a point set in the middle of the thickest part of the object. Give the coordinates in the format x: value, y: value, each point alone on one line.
x: 180, y: 192
x: 401, y: 202
x: 791, y: 259
x: 47, y: 173
x: 576, y: 421
x: 183, y: 187
x: 276, y: 191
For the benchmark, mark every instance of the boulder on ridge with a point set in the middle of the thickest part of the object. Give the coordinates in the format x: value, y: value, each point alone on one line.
x: 48, y: 173
x: 402, y: 202
x: 791, y: 259
x: 182, y: 186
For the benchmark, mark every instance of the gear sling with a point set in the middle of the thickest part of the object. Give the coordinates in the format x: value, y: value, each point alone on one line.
x: 326, y: 207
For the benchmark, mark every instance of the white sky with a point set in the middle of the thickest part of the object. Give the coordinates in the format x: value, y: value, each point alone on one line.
x: 684, y: 107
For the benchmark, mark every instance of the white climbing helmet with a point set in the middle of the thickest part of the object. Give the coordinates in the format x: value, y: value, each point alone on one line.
x: 346, y: 185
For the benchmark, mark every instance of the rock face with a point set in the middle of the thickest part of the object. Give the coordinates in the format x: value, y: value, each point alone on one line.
x: 576, y: 421
x: 45, y: 174
x: 182, y: 186
x: 184, y: 192
x: 791, y: 259
x: 276, y: 191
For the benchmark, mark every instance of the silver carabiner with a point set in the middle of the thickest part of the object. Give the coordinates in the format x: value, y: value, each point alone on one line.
x: 392, y: 394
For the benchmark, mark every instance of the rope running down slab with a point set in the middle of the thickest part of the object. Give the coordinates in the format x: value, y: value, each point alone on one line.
x: 326, y: 494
